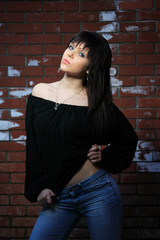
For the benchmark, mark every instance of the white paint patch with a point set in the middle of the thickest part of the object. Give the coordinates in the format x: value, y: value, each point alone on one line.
x: 143, y: 156
x: 20, y: 138
x: 132, y: 28
x: 4, y: 136
x: 149, y: 167
x: 1, y: 101
x: 114, y: 90
x: 135, y: 90
x: 113, y: 71
x: 31, y: 83
x: 152, y: 80
x: 107, y: 36
x: 5, y: 124
x: 107, y: 16
x: 33, y: 62
x: 20, y: 93
x: 1, y: 93
x: 45, y: 59
x: 115, y: 82
x: 14, y: 72
x: 20, y: 142
x: 111, y: 27
x: 142, y: 145
x: 15, y: 113
x: 147, y: 113
x: 0, y: 24
x: 1, y: 112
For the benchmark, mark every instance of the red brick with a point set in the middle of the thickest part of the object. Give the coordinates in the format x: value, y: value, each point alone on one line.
x: 158, y: 113
x: 25, y: 28
x: 33, y: 210
x: 130, y: 189
x: 24, y: 221
x: 136, y: 48
x: 55, y: 49
x: 121, y: 37
x: 4, y: 200
x: 43, y: 17
x: 42, y: 61
x: 149, y: 58
x: 32, y: 81
x: 62, y: 27
x: 3, y: 93
x: 140, y: 222
x: 4, y: 114
x: 12, y: 82
x: 148, y: 189
x: 158, y: 70
x: 53, y: 71
x: 149, y: 37
x: 4, y: 178
x: 129, y: 211
x: 12, y: 60
x: 120, y: 60
x: 18, y: 135
x: 24, y: 50
x: 33, y: 6
x: 139, y: 4
x: 13, y: 103
x: 139, y: 200
x: 149, y: 233
x: 139, y: 113
x: 137, y: 91
x: 80, y: 16
x: 12, y: 39
x: 4, y: 221
x: 2, y: 156
x: 137, y: 26
x: 2, y: 28
x: 2, y: 50
x: 1, y: 6
x: 12, y: 17
x: 149, y: 15
x: 136, y: 70
x: 148, y: 211
x: 98, y: 5
x: 12, y: 232
x: 12, y: 146
x: 150, y: 81
x: 125, y: 102
x: 158, y: 26
x: 138, y: 178
x: 19, y: 200
x: 125, y: 16
x: 12, y: 188
x: 29, y: 71
x: 45, y: 38
x: 149, y: 124
x: 149, y: 102
x: 100, y: 26
x: 16, y: 156
x: 157, y: 3
x: 61, y: 6
x: 3, y: 72
x: 12, y: 167
x: 17, y: 177
x: 146, y: 134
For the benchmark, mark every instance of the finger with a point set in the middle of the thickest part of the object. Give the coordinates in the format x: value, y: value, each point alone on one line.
x: 94, y: 155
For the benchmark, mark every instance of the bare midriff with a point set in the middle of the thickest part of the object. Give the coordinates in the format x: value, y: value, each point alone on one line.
x: 86, y: 171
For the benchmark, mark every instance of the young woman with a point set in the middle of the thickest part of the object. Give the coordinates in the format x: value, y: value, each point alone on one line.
x: 67, y: 122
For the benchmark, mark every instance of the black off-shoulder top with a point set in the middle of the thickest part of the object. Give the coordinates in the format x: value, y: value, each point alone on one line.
x: 58, y: 142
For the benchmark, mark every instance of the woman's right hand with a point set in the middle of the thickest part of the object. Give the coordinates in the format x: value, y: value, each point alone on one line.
x: 45, y: 196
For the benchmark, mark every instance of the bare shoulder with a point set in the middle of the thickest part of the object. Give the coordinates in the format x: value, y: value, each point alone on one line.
x: 44, y: 90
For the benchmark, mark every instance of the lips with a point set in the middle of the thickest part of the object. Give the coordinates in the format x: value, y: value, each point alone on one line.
x: 66, y: 61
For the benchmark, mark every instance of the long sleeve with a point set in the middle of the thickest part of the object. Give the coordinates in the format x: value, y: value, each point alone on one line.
x: 35, y: 180
x: 118, y: 155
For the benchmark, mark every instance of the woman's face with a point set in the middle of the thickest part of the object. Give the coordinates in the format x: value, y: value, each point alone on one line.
x: 75, y: 61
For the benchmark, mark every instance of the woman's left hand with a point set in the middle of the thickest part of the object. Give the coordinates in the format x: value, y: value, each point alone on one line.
x: 95, y: 154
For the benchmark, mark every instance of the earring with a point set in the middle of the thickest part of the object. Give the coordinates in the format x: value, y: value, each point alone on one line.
x: 59, y: 69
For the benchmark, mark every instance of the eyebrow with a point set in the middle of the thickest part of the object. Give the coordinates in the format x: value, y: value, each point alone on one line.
x: 84, y: 49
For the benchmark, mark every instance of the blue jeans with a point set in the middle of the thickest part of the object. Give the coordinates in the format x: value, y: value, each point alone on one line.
x: 97, y: 198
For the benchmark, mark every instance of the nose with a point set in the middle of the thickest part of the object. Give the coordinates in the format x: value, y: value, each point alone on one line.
x: 71, y: 53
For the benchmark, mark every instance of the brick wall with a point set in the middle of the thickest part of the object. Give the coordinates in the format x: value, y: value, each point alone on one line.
x: 33, y: 35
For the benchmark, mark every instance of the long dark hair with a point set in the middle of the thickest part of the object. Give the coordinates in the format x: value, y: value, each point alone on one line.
x: 98, y: 83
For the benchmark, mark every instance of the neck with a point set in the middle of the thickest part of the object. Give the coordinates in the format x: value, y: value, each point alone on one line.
x: 69, y: 82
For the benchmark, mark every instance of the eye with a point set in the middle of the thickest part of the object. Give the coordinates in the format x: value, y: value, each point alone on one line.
x: 70, y: 47
x: 81, y: 54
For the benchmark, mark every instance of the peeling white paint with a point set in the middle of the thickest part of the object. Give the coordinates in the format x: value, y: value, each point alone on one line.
x: 113, y: 71
x: 107, y: 16
x: 45, y: 59
x: 20, y: 138
x: 21, y: 142
x: 15, y: 113
x: 147, y: 113
x: 4, y: 136
x: 114, y: 90
x: 107, y: 36
x: 143, y: 156
x: 31, y: 83
x: 0, y: 24
x: 5, y: 124
x: 111, y: 27
x: 115, y: 82
x: 135, y: 90
x: 1, y: 101
x: 20, y: 93
x: 152, y: 80
x: 1, y: 112
x: 1, y: 93
x: 14, y: 72
x: 33, y: 62
x: 132, y: 28
x: 145, y: 145
x: 149, y: 167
